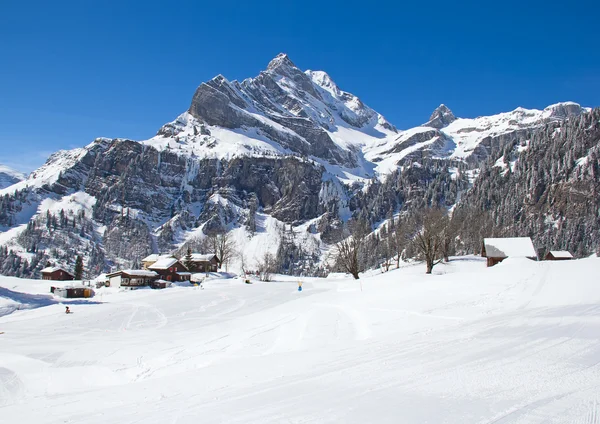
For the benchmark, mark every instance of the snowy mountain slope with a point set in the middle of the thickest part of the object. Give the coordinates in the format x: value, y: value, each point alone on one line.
x: 510, y: 344
x: 9, y: 176
x: 469, y: 133
x: 289, y: 145
x: 445, y: 136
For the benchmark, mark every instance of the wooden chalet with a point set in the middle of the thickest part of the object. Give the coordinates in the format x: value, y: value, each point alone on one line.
x: 498, y: 249
x: 170, y: 269
x: 55, y: 273
x: 131, y: 278
x: 558, y: 255
x: 205, y: 263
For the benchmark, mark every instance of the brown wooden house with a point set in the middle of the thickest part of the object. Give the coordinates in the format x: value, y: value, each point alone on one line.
x: 498, y: 249
x: 131, y: 278
x: 558, y: 255
x: 55, y: 273
x: 205, y: 263
x: 170, y: 269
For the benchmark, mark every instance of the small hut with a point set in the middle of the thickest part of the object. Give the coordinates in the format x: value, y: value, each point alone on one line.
x: 160, y: 284
x: 558, y: 255
x: 72, y: 292
x: 498, y: 249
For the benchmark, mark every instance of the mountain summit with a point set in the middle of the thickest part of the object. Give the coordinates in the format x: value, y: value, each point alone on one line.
x: 440, y: 118
x: 283, y: 110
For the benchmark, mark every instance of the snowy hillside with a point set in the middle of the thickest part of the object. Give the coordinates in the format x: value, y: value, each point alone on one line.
x: 9, y: 176
x: 517, y: 343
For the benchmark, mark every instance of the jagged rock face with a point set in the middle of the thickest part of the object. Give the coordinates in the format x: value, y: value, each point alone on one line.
x: 291, y: 107
x: 565, y: 110
x: 440, y: 118
x: 134, y: 176
x: 493, y: 146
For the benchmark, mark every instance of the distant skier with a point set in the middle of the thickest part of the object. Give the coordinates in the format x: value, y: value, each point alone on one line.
x: 299, y: 286
x: 67, y: 311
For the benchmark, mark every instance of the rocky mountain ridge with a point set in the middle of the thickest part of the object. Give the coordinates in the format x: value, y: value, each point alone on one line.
x: 286, y: 149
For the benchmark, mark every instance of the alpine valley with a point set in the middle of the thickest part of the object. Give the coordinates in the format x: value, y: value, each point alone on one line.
x: 283, y: 160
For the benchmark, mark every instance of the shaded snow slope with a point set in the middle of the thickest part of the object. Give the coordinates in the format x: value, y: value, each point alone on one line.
x: 516, y: 343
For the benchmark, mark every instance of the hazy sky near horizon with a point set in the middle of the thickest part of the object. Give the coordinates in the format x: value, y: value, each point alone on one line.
x: 72, y: 71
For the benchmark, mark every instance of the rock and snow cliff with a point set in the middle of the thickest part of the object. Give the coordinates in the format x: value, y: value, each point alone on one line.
x: 284, y: 148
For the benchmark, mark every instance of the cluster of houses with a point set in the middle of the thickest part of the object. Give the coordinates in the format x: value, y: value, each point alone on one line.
x: 159, y: 271
x: 498, y: 249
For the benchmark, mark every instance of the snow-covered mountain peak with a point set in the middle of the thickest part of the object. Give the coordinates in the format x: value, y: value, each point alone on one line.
x: 9, y: 176
x: 280, y: 61
x: 282, y: 110
x: 441, y: 117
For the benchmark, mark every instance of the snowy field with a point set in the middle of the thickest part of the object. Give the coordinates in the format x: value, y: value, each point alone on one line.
x: 516, y: 343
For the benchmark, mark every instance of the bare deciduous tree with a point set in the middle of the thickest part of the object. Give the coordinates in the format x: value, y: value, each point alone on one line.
x: 266, y: 267
x: 449, y: 236
x: 350, y: 250
x: 429, y: 240
x: 223, y: 246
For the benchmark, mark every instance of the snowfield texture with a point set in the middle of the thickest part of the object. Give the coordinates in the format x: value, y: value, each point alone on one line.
x: 515, y: 343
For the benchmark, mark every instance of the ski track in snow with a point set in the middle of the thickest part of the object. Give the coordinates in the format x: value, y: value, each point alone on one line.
x: 516, y: 343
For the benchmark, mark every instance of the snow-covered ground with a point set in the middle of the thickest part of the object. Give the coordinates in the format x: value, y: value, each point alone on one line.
x: 516, y: 343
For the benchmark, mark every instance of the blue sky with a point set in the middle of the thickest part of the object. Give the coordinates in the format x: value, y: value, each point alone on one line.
x: 75, y: 70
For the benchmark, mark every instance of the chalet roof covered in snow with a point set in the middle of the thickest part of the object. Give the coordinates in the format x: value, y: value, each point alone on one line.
x: 155, y: 257
x: 135, y: 273
x: 164, y: 263
x: 509, y: 247
x: 52, y: 269
x: 198, y: 257
x: 561, y: 254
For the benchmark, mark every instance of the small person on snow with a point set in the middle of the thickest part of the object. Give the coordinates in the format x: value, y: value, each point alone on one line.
x: 299, y: 285
x: 67, y: 311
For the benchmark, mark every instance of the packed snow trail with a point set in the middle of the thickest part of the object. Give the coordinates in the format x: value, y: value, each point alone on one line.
x: 516, y: 343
